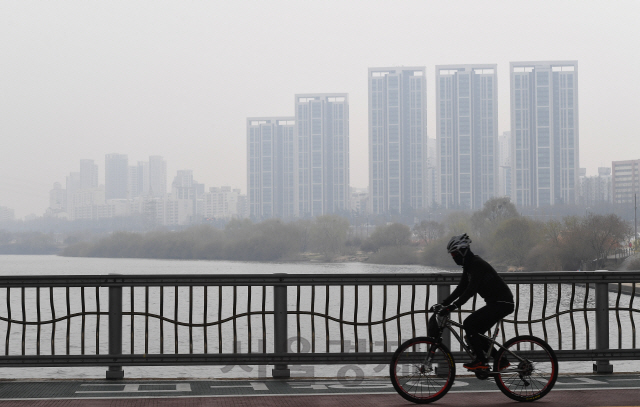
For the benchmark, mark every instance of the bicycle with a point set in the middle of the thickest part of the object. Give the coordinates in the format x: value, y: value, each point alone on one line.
x: 423, y: 369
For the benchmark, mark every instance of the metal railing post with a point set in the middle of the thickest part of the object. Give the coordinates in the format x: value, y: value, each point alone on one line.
x: 444, y: 290
x: 115, y: 331
x: 602, y: 327
x: 280, y: 321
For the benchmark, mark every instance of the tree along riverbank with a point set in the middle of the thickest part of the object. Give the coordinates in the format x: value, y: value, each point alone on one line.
x: 272, y: 240
x: 499, y: 233
x: 28, y: 243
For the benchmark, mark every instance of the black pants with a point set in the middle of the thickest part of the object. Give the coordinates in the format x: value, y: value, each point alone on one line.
x: 481, y: 321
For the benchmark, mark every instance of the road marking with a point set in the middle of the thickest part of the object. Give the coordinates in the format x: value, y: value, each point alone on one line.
x: 353, y: 385
x: 459, y: 383
x: 135, y: 388
x: 257, y: 386
x: 582, y: 380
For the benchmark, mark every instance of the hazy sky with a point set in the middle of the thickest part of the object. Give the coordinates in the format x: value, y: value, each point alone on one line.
x: 81, y: 79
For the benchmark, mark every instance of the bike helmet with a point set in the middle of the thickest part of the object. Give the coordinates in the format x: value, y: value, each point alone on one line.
x: 459, y: 244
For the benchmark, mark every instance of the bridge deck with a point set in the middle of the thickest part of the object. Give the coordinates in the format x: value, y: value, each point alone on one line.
x: 582, y: 390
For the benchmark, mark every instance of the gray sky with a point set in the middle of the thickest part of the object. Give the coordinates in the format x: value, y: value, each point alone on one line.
x: 81, y: 79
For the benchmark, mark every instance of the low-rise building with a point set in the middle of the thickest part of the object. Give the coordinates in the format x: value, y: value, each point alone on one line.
x: 595, y: 189
x: 224, y: 203
x: 625, y: 180
x: 360, y: 200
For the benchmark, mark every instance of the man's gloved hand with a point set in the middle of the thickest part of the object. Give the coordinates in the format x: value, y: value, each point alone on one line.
x: 447, y: 310
x: 436, y: 308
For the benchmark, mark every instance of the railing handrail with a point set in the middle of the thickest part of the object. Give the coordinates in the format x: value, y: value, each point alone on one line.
x: 141, y: 280
x: 281, y: 312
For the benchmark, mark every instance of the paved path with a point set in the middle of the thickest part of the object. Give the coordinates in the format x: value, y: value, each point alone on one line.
x: 582, y: 391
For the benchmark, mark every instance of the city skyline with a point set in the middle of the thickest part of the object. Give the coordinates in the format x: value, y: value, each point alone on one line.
x: 184, y: 93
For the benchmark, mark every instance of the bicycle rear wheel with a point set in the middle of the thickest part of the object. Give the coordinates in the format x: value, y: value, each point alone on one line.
x: 418, y: 378
x: 532, y: 378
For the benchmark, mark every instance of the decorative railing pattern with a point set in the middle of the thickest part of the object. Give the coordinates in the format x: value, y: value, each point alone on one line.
x: 119, y: 320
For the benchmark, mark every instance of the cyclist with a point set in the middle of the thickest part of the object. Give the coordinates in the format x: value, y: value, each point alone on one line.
x: 478, y: 277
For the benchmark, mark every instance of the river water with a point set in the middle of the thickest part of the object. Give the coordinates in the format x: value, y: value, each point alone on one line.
x: 56, y: 265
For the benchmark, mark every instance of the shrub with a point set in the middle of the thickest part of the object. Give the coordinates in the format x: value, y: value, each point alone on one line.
x: 634, y: 264
x: 435, y: 254
x: 395, y: 234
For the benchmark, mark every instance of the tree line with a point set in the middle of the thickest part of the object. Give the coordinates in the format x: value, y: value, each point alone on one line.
x: 27, y: 243
x: 500, y: 234
x: 271, y: 240
x: 515, y: 242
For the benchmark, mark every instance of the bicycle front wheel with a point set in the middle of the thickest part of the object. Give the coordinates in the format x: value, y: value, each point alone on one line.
x: 532, y: 377
x: 421, y: 370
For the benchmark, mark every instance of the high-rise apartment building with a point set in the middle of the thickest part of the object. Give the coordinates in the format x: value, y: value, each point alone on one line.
x: 544, y: 126
x: 625, y: 181
x: 432, y: 172
x: 116, y: 176
x: 467, y: 133
x: 270, y: 167
x: 139, y: 179
x: 322, y: 154
x: 57, y: 198
x: 184, y: 187
x: 504, y: 164
x: 397, y: 139
x: 88, y: 174
x: 72, y: 186
x: 157, y: 176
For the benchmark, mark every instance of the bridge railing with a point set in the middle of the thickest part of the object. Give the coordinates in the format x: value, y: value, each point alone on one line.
x: 282, y: 320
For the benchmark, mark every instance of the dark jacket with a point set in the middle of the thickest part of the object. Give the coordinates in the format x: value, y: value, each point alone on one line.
x: 478, y: 277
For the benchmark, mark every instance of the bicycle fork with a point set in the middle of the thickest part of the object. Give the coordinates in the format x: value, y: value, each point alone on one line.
x: 427, y: 364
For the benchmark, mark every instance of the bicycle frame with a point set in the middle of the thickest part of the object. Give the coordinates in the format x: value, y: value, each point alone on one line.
x: 445, y: 322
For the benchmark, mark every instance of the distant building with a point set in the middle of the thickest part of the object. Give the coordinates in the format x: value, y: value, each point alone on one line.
x: 6, y: 214
x: 184, y: 187
x: 432, y: 172
x: 116, y: 176
x: 57, y: 198
x: 625, y: 181
x: 504, y: 177
x: 595, y: 190
x: 243, y: 206
x: 72, y: 186
x: 157, y: 176
x: 224, y: 203
x: 467, y: 133
x: 57, y: 202
x: 504, y: 164
x: 84, y: 203
x: 270, y: 167
x: 397, y: 139
x: 88, y: 174
x: 133, y: 182
x: 171, y: 211
x: 544, y: 126
x: 321, y: 145
x: 139, y: 179
x: 359, y: 200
